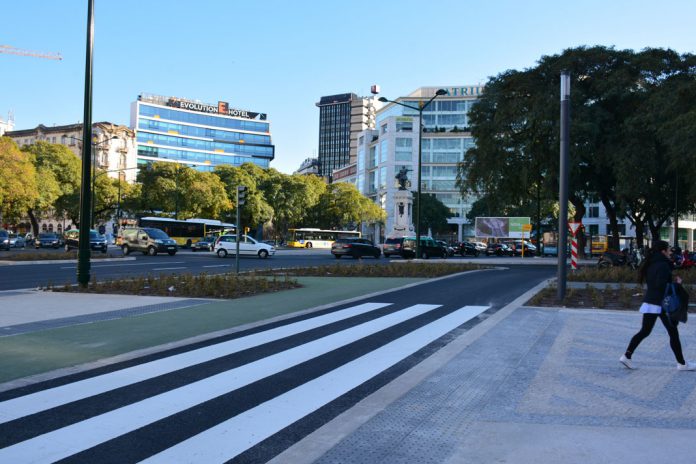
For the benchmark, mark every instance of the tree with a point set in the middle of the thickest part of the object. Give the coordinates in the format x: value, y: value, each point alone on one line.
x: 434, y: 214
x: 59, y: 186
x: 178, y: 190
x: 256, y: 210
x: 18, y: 182
x: 516, y: 127
x: 342, y: 206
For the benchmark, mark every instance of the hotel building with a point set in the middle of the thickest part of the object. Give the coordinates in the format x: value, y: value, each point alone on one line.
x: 198, y: 134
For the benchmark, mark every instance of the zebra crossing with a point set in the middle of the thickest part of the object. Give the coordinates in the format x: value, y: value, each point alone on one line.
x: 214, y: 403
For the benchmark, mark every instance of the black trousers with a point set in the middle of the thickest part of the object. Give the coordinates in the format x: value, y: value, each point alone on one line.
x: 648, y: 324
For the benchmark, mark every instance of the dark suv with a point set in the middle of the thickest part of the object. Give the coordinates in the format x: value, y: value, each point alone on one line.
x: 355, y: 247
x: 148, y: 240
x: 97, y: 241
x: 392, y: 246
x: 467, y: 248
x: 428, y: 248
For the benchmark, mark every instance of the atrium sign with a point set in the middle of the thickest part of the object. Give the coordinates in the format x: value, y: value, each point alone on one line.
x: 471, y: 91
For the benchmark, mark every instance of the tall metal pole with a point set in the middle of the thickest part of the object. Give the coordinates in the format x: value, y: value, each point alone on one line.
x: 236, y: 254
x: 563, y: 184
x: 418, y: 194
x: 83, y: 254
x: 676, y: 210
x: 94, y: 183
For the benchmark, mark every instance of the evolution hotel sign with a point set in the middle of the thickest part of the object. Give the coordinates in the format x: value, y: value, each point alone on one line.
x: 222, y: 108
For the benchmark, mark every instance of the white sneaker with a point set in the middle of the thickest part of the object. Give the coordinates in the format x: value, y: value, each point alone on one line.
x: 686, y: 367
x: 626, y: 362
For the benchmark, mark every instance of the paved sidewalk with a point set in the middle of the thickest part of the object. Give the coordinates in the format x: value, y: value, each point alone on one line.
x: 529, y: 385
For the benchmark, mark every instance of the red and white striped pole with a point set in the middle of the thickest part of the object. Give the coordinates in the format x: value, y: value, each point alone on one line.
x: 574, y: 227
x: 574, y: 253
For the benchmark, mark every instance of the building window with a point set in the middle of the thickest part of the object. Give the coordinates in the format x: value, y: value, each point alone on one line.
x: 594, y: 229
x: 593, y: 212
x: 384, y: 129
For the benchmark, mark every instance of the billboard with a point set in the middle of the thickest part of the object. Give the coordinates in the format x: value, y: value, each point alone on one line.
x: 500, y: 227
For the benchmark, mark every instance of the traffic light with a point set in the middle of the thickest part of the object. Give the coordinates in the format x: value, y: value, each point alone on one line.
x: 241, y: 195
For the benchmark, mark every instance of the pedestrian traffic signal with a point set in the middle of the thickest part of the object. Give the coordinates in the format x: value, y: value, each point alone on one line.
x: 241, y: 195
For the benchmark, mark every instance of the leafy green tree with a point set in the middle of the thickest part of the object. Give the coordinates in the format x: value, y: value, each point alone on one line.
x: 342, y: 206
x: 18, y: 181
x: 516, y: 127
x: 181, y: 191
x: 434, y: 214
x: 256, y: 210
x: 59, y: 186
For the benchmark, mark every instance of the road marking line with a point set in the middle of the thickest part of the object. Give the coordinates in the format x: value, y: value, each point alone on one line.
x: 64, y: 442
x: 219, y: 265
x: 253, y: 426
x: 168, y: 268
x: 53, y: 397
x: 120, y: 265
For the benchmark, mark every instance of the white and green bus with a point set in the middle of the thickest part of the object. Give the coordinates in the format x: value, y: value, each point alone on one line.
x: 317, y: 238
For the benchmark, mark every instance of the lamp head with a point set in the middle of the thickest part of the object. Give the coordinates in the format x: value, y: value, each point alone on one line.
x: 441, y: 92
x: 383, y: 100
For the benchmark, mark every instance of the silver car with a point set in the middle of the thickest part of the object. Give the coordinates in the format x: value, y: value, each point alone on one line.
x: 17, y: 241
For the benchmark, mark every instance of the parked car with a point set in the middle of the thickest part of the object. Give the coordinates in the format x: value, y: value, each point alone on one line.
x: 428, y: 248
x: 148, y: 240
x: 498, y: 249
x: 227, y: 245
x: 204, y: 244
x: 450, y: 249
x: 47, y: 240
x: 355, y: 247
x: 4, y: 240
x: 480, y: 246
x: 17, y: 241
x: 467, y: 248
x: 97, y: 242
x: 517, y: 245
x: 392, y: 246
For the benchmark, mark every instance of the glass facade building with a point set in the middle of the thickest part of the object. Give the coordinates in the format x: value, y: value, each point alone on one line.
x: 199, y: 135
x: 341, y: 118
x: 393, y: 144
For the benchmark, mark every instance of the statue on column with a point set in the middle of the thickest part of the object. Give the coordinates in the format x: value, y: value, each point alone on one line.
x: 402, y: 178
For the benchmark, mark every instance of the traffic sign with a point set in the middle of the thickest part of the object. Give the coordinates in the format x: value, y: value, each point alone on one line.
x: 574, y: 227
x: 527, y: 227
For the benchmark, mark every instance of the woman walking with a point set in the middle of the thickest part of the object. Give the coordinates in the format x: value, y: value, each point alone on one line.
x: 657, y: 272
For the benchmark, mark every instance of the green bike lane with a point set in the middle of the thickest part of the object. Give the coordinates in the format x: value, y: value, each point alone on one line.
x: 54, y: 351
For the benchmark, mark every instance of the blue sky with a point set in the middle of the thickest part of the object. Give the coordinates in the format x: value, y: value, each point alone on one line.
x: 279, y: 57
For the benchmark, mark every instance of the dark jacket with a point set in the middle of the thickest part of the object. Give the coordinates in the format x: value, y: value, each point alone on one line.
x: 658, y: 275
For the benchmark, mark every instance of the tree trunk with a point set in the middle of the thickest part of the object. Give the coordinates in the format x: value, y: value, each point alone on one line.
x: 613, y: 223
x: 638, y: 222
x: 34, y: 223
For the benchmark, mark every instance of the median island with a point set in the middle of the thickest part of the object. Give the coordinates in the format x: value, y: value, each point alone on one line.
x: 230, y: 285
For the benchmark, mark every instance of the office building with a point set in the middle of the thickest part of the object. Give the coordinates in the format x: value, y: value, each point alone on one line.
x: 199, y: 135
x: 393, y: 144
x: 341, y: 118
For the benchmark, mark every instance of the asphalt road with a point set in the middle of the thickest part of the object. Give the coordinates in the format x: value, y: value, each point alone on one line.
x: 267, y: 387
x: 23, y: 276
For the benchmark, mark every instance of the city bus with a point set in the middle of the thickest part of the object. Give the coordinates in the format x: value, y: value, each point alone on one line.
x: 317, y: 238
x: 189, y: 231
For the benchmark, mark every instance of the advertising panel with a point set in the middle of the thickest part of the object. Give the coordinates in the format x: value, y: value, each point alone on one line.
x: 501, y: 227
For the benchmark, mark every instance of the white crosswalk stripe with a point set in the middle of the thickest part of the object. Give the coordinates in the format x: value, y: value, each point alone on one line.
x: 251, y: 426
x: 46, y: 399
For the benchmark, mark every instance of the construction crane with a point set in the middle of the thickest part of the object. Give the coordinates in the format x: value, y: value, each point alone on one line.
x: 19, y: 51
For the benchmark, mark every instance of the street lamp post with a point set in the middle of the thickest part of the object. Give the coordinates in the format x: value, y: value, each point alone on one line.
x: 421, y: 107
x: 83, y: 253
